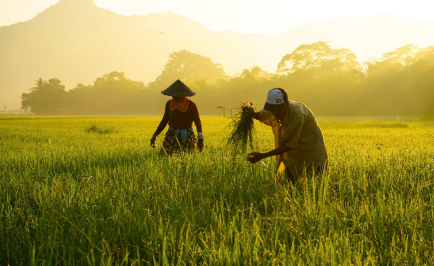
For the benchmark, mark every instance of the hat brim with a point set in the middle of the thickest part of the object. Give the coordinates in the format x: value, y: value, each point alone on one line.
x: 179, y: 94
x: 178, y: 89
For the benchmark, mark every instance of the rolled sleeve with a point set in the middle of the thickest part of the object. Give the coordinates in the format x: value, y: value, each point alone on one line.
x: 265, y: 117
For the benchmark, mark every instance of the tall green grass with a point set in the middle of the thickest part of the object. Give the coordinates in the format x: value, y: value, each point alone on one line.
x: 68, y: 197
x: 94, y: 128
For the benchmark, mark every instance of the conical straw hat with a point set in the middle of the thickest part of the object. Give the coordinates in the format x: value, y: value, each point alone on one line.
x: 178, y: 89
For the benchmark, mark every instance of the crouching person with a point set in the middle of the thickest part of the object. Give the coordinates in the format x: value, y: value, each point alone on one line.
x: 299, y: 142
x: 179, y: 113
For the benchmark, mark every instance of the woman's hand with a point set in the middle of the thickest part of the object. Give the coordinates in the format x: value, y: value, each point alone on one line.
x: 153, y: 141
x: 255, y: 157
x: 200, y: 145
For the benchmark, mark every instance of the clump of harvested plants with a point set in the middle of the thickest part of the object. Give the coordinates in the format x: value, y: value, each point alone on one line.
x: 243, y: 126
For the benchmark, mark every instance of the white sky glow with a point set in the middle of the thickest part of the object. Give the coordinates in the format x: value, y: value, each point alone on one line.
x: 267, y: 17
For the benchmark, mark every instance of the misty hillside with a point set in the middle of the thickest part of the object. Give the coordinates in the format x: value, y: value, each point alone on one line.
x: 76, y: 41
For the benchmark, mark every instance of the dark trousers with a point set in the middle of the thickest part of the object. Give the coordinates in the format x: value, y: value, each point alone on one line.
x: 290, y: 177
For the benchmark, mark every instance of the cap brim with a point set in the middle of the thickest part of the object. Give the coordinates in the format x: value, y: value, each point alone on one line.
x: 273, y: 107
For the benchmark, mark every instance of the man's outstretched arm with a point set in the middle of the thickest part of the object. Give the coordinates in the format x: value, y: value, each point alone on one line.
x: 255, y: 157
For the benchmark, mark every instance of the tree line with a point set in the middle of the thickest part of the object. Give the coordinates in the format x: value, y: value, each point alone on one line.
x: 330, y: 81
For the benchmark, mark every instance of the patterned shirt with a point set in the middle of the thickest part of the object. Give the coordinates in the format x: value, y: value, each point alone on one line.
x: 300, y: 132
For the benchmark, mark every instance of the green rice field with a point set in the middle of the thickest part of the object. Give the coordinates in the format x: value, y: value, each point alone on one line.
x: 92, y: 191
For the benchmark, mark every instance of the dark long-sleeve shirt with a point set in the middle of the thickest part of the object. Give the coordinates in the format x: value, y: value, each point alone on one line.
x: 180, y: 120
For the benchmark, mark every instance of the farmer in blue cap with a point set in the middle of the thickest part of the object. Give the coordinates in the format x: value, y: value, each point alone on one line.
x: 299, y: 142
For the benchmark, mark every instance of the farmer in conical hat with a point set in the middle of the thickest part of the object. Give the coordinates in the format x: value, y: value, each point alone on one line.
x: 180, y: 113
x: 299, y: 142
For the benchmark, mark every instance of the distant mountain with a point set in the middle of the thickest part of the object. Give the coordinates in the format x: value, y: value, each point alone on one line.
x: 76, y: 41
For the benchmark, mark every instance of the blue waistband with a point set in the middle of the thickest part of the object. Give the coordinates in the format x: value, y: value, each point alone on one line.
x: 183, y: 133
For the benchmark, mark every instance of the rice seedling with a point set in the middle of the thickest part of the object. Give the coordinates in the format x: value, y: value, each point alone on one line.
x: 73, y: 198
x: 242, y: 126
x: 100, y: 130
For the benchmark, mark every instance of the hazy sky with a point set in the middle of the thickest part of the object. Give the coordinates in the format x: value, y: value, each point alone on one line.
x: 254, y: 16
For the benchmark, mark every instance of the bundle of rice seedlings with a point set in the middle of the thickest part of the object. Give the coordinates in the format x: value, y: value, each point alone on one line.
x: 242, y: 126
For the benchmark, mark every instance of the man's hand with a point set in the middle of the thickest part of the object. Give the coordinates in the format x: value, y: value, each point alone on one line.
x: 153, y: 141
x: 255, y: 157
x: 200, y: 145
x: 250, y: 111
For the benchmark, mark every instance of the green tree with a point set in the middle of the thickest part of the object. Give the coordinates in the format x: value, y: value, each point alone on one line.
x: 116, y: 81
x: 45, y: 98
x: 112, y: 93
x: 255, y: 73
x: 318, y: 58
x: 403, y: 55
x: 397, y: 59
x: 188, y: 67
x: 400, y: 82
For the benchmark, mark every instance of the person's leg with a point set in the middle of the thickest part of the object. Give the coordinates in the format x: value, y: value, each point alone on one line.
x: 169, y: 144
x: 289, y: 176
x: 190, y: 146
x: 320, y: 170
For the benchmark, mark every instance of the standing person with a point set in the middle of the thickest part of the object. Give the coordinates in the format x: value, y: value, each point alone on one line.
x: 180, y: 113
x: 299, y: 143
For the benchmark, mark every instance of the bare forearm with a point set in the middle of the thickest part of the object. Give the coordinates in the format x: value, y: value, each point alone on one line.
x: 164, y: 121
x: 257, y: 156
x: 282, y: 149
x: 161, y: 126
x: 256, y: 116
